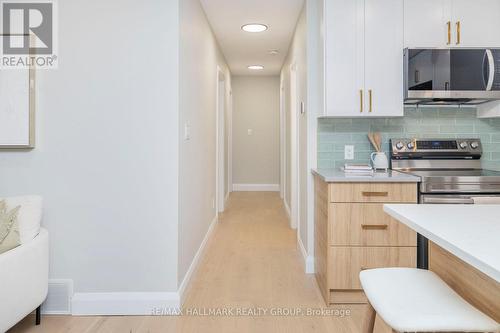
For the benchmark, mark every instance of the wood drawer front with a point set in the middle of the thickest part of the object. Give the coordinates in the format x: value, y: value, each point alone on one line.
x: 366, y: 224
x: 345, y: 263
x: 373, y: 192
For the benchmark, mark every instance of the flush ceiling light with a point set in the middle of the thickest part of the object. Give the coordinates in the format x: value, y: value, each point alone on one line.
x: 274, y: 52
x: 254, y: 27
x: 256, y: 67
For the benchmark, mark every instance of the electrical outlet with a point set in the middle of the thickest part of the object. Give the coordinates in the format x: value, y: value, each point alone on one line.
x: 349, y: 152
x: 250, y: 131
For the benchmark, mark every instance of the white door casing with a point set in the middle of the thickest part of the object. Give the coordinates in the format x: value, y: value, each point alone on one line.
x: 220, y: 151
x: 230, y: 143
x: 294, y: 142
x: 282, y: 142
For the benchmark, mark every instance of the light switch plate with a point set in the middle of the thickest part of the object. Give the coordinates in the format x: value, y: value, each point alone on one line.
x: 349, y: 152
x: 187, y: 132
x: 250, y: 131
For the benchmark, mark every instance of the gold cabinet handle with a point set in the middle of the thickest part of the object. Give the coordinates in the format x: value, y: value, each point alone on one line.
x: 370, y: 99
x: 375, y: 194
x: 374, y: 226
x: 458, y: 32
x: 361, y: 100
x: 449, y: 32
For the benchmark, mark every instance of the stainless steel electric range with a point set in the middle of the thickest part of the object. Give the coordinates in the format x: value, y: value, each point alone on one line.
x: 450, y: 172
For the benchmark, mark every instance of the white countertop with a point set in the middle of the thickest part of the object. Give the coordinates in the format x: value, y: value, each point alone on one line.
x: 338, y: 175
x: 470, y: 232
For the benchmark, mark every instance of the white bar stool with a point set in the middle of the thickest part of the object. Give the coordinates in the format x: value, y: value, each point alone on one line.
x: 416, y: 300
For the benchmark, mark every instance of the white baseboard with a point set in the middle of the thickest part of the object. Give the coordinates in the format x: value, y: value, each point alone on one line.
x: 194, y: 264
x: 126, y: 303
x: 256, y: 187
x: 308, y: 260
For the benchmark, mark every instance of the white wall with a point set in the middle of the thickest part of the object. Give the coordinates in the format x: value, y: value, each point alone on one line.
x: 307, y: 53
x: 199, y: 57
x: 107, y: 141
x: 256, y: 107
x: 315, y: 107
x: 297, y: 56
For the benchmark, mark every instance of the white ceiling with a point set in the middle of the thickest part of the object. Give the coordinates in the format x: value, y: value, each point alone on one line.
x: 242, y: 49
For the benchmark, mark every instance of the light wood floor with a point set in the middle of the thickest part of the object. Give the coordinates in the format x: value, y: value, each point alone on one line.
x: 251, y: 261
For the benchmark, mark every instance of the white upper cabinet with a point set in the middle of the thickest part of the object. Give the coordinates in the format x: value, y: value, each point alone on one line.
x: 384, y: 58
x: 426, y: 23
x: 344, y: 57
x: 364, y: 58
x: 452, y: 23
x: 476, y: 23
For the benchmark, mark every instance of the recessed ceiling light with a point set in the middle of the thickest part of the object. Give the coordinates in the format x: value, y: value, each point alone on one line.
x: 256, y: 67
x: 274, y: 52
x: 254, y: 27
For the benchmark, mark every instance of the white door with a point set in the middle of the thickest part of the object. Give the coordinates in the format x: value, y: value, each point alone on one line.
x: 344, y: 53
x: 476, y: 23
x: 426, y: 23
x: 384, y: 58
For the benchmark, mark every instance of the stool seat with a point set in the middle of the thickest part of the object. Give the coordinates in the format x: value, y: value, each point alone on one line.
x: 416, y: 300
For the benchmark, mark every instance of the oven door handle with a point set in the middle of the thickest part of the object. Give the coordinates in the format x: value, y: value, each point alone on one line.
x: 447, y: 200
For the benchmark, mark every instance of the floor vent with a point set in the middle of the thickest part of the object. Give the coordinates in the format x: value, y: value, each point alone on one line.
x: 59, y: 298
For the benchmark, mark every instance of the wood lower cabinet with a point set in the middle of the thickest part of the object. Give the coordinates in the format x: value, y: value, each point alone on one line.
x: 362, y: 224
x: 353, y: 233
x: 346, y: 262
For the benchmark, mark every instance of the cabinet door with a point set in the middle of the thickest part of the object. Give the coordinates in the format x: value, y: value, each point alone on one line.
x: 345, y: 263
x: 344, y: 44
x: 479, y: 23
x: 384, y: 57
x: 426, y: 23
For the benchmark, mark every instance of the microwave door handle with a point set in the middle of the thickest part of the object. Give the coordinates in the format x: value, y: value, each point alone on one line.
x: 491, y: 72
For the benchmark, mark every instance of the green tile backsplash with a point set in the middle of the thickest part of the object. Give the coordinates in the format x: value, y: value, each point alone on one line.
x: 335, y: 133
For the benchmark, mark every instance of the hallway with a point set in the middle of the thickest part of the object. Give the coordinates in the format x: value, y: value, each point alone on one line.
x: 251, y: 264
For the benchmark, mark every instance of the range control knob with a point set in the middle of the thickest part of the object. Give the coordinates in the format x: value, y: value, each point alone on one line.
x: 410, y: 145
x: 399, y: 145
x: 463, y: 145
x: 474, y: 145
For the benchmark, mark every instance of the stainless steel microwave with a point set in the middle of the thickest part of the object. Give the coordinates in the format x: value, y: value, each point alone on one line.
x: 451, y: 76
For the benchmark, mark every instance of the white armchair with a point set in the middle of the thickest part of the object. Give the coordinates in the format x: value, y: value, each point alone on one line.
x: 24, y: 273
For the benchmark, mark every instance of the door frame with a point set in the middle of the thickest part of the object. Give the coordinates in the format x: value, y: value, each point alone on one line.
x: 283, y: 147
x: 294, y: 149
x: 220, y: 109
x: 229, y: 115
